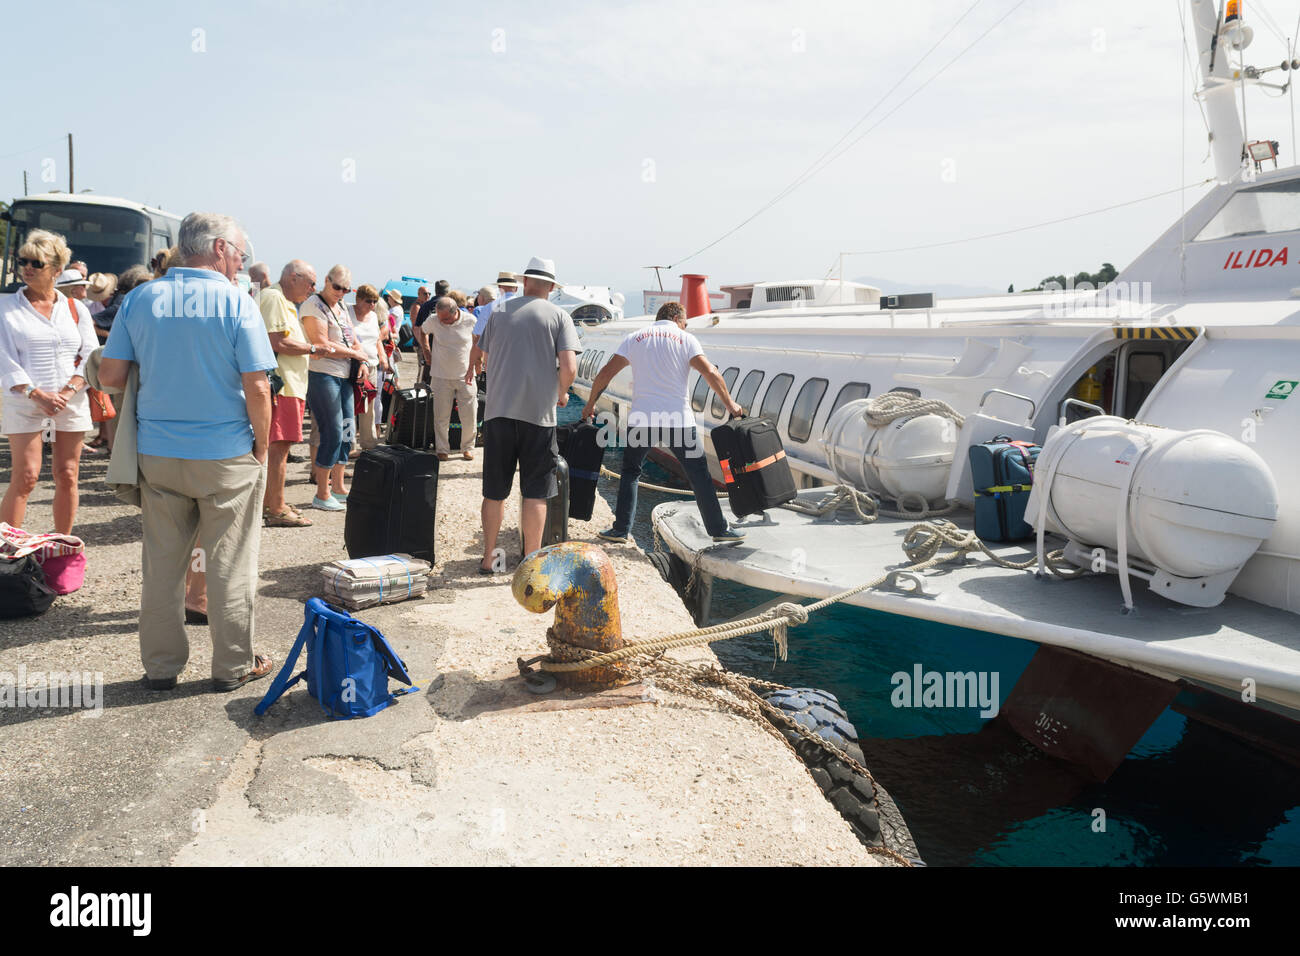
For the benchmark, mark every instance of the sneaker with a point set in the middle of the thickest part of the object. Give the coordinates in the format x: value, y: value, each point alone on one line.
x: 730, y: 535
x: 612, y: 537
x: 329, y: 504
x: 339, y: 496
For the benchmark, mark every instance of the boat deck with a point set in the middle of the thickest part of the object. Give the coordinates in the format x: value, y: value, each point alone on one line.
x: 789, y: 552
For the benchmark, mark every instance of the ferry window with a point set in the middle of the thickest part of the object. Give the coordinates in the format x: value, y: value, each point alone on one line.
x: 850, y: 393
x: 729, y: 376
x: 700, y: 394
x: 1144, y: 370
x: 775, y: 397
x: 1272, y: 207
x: 804, y: 409
x: 748, y: 389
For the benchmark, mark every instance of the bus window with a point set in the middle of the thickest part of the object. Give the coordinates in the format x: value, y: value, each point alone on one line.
x: 107, y: 238
x: 804, y: 409
x: 729, y: 377
x: 775, y: 397
x: 748, y: 389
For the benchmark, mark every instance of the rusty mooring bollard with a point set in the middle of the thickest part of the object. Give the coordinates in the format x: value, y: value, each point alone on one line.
x: 578, y: 581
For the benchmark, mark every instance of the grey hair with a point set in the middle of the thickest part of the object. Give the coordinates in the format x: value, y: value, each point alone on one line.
x: 341, y: 273
x: 200, y: 229
x: 446, y: 304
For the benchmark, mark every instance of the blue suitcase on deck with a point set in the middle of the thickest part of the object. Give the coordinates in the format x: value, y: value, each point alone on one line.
x: 1002, y: 472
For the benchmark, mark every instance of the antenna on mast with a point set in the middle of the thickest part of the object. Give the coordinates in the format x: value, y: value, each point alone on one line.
x: 658, y: 277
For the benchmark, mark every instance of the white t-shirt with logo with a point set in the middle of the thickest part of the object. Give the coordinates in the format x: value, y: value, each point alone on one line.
x: 660, y: 355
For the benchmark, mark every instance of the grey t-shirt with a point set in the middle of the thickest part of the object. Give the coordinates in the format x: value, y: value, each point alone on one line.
x: 522, y: 342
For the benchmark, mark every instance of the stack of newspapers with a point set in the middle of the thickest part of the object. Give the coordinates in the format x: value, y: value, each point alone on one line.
x: 365, y: 582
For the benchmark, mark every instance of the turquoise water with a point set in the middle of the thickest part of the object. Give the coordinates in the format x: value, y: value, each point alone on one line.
x: 972, y: 792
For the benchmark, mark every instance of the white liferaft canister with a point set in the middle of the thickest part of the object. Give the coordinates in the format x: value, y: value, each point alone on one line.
x: 910, y: 456
x: 1199, y: 502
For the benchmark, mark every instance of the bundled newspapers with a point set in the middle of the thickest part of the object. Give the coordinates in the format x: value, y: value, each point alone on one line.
x: 384, y: 579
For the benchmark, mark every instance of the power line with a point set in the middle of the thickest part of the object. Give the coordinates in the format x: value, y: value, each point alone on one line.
x: 32, y: 149
x: 1037, y: 225
x: 826, y: 159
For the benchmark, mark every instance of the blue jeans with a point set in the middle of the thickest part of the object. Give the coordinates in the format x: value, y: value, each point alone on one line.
x: 333, y: 413
x: 689, y: 453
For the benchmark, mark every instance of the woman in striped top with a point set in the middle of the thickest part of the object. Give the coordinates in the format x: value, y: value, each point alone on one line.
x: 45, y: 339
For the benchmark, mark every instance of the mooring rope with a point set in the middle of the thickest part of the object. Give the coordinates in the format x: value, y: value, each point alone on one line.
x: 892, y: 406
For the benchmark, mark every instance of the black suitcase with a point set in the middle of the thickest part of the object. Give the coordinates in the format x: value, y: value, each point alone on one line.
x: 410, y: 418
x: 392, y: 503
x: 453, y: 427
x: 579, y: 444
x: 753, y: 464
x: 556, y: 528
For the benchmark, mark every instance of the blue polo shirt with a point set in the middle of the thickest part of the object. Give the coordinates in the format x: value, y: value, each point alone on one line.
x: 193, y: 333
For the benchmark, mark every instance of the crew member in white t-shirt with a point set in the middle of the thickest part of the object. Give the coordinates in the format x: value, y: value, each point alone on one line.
x: 661, y: 355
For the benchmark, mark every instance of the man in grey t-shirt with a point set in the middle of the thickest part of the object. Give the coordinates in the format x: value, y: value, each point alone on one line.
x: 532, y: 358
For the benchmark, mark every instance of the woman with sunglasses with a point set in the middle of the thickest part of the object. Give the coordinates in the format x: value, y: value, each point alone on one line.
x: 45, y: 339
x: 334, y: 345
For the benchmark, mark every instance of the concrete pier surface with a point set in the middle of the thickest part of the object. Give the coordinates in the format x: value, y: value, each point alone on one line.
x: 470, y: 770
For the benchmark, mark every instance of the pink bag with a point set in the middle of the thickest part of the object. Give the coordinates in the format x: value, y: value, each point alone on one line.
x: 61, y: 556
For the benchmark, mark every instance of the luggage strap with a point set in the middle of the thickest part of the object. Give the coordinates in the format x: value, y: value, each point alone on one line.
x: 756, y: 465
x: 584, y: 475
x: 282, y: 681
x: 997, y: 491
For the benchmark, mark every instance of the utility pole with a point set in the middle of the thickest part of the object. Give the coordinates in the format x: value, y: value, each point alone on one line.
x: 70, y: 188
x: 24, y: 182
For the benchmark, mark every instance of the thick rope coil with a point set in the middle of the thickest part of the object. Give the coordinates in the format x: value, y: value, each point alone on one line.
x: 892, y: 406
x: 866, y: 505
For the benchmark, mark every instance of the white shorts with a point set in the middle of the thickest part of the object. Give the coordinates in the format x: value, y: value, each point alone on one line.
x: 22, y: 415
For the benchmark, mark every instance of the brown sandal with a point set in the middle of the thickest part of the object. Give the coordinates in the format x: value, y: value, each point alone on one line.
x: 262, y: 665
x: 288, y: 518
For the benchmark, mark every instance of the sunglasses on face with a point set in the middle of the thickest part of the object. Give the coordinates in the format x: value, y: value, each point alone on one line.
x: 340, y: 288
x: 33, y: 263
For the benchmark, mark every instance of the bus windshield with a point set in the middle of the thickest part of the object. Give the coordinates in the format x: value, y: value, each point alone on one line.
x: 107, y: 239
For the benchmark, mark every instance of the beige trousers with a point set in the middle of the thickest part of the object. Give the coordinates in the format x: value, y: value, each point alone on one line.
x: 184, y: 501
x: 444, y: 391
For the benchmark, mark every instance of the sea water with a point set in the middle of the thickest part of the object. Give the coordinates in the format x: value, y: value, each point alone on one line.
x: 972, y: 792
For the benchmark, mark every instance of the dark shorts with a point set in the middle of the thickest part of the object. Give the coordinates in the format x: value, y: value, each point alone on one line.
x: 508, y: 443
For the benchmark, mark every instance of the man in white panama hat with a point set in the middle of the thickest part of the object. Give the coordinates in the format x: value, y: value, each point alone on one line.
x: 532, y: 345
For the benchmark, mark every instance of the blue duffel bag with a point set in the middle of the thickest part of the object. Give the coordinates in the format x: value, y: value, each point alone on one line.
x: 1002, y: 472
x: 348, y: 665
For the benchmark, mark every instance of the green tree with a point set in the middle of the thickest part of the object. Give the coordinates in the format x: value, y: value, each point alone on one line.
x: 1103, y: 276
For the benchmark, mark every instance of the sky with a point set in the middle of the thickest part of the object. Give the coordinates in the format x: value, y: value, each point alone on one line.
x: 450, y: 140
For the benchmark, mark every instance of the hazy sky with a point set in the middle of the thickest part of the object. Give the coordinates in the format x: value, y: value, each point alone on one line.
x: 455, y: 140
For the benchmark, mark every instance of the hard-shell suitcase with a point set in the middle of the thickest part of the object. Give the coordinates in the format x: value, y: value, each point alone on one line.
x: 1002, y: 472
x: 579, y: 443
x: 753, y: 463
x: 410, y: 419
x: 392, y: 503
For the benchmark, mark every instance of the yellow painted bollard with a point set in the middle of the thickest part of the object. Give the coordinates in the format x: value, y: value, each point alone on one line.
x: 578, y: 581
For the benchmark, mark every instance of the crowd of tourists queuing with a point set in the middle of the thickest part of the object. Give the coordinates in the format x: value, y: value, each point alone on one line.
x: 214, y: 397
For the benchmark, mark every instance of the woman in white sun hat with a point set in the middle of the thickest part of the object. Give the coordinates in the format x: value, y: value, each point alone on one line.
x: 45, y: 339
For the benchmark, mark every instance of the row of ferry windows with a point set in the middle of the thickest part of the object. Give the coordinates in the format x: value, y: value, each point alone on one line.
x: 802, y: 412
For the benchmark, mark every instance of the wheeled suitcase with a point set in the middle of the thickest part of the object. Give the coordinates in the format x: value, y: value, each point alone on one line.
x: 454, y: 426
x: 556, y: 528
x: 392, y: 503
x: 410, y: 418
x: 753, y: 464
x: 1002, y: 472
x: 579, y: 444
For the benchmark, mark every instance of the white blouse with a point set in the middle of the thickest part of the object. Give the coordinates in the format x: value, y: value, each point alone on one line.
x: 43, y: 352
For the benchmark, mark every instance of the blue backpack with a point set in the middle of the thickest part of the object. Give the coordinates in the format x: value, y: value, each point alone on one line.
x: 348, y: 665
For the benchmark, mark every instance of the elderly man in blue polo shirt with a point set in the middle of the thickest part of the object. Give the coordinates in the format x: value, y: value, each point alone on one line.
x: 203, y: 417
